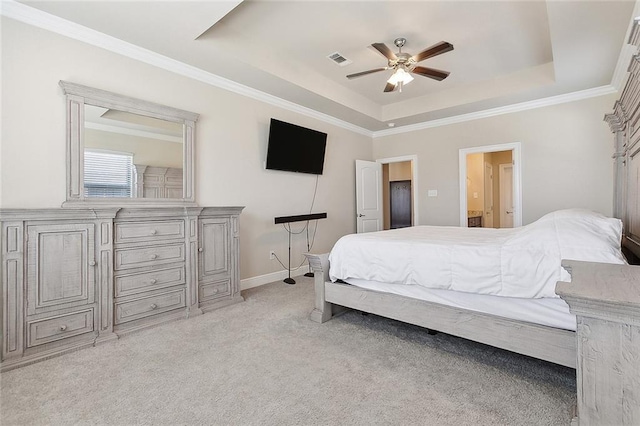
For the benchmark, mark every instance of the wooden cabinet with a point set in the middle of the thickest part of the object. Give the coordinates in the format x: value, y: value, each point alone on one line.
x: 61, y: 277
x: 60, y: 266
x: 218, y: 282
x: 474, y: 222
x: 74, y: 278
x: 54, y: 284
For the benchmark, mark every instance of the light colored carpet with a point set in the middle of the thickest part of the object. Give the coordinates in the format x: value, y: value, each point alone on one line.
x: 262, y: 362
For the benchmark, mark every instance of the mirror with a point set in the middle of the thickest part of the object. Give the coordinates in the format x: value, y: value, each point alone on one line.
x: 130, y: 155
x: 122, y: 149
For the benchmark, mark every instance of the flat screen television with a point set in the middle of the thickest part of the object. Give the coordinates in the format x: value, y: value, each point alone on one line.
x: 295, y: 149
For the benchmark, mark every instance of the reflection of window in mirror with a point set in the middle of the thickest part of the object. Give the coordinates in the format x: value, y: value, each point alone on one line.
x: 108, y: 174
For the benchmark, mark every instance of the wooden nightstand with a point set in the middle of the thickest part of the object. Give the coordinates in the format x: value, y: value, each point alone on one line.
x: 474, y: 222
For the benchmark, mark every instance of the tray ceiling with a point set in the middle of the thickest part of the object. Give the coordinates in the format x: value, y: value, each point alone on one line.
x: 505, y: 52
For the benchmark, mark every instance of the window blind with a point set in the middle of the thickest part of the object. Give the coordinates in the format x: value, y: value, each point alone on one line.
x: 108, y: 174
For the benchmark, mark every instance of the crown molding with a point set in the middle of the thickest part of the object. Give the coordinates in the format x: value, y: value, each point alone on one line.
x: 508, y: 109
x: 37, y: 18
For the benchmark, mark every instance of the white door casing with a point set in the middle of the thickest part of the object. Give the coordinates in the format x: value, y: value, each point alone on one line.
x: 506, y: 195
x: 368, y: 196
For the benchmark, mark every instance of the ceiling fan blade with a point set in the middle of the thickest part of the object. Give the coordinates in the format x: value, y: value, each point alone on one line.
x: 360, y: 74
x: 386, y: 52
x: 435, y: 50
x: 431, y: 73
x: 390, y: 87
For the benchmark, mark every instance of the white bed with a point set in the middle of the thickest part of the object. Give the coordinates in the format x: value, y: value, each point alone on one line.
x: 509, y: 273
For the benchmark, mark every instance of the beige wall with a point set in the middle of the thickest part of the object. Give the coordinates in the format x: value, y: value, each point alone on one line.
x: 566, y: 158
x: 146, y: 151
x: 231, y: 142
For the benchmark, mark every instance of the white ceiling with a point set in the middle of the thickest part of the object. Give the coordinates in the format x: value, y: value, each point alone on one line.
x: 505, y: 52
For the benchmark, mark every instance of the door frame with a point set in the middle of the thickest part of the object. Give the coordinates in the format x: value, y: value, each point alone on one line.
x: 414, y: 181
x: 516, y: 157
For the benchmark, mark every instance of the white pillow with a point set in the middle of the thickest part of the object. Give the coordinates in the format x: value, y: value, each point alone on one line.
x: 582, y: 235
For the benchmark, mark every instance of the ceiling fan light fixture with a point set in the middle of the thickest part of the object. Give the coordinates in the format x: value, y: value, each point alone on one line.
x: 400, y: 76
x: 404, y: 64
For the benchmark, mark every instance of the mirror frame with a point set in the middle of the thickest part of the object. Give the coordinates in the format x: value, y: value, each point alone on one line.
x: 76, y: 97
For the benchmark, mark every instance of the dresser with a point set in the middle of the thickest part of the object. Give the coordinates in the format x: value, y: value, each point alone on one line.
x: 72, y: 278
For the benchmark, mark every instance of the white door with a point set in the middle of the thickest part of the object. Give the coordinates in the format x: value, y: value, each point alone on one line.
x: 506, y: 195
x: 487, y: 219
x: 368, y: 196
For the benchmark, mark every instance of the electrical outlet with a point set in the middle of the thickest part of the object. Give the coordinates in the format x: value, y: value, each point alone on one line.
x: 272, y: 254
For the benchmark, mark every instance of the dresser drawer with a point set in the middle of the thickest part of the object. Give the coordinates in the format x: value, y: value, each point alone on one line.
x: 214, y: 290
x: 59, y: 327
x: 147, y: 306
x: 131, y: 232
x: 126, y: 258
x: 144, y: 281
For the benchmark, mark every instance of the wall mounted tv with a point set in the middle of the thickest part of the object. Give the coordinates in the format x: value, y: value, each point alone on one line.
x: 295, y: 149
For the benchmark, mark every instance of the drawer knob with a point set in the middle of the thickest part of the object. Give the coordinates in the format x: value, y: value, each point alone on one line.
x: 92, y: 263
x: 153, y: 306
x: 200, y: 249
x: 215, y: 291
x: 63, y: 327
x: 154, y: 232
x: 153, y: 281
x: 154, y: 256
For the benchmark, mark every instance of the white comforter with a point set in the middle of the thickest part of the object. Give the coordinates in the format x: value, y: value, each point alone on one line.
x: 518, y: 262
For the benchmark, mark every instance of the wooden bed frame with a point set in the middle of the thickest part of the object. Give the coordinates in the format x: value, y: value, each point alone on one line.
x: 605, y: 349
x: 551, y: 344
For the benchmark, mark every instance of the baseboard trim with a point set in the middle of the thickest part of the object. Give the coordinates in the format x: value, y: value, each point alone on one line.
x: 252, y: 282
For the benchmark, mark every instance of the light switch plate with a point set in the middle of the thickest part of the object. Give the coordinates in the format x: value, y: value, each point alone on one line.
x: 432, y: 193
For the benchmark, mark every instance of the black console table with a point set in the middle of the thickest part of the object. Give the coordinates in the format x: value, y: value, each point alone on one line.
x: 298, y: 218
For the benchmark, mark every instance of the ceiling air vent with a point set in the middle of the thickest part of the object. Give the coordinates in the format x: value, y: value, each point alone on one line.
x: 339, y: 59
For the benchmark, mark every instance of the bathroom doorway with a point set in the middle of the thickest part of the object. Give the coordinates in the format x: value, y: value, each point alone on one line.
x: 490, y: 186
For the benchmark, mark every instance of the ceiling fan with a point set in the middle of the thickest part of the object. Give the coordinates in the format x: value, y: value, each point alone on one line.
x: 404, y: 64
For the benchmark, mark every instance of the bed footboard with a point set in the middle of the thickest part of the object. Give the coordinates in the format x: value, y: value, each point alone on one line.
x: 320, y: 265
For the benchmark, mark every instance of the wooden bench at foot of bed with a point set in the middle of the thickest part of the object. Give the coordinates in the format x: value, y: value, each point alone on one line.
x: 605, y: 350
